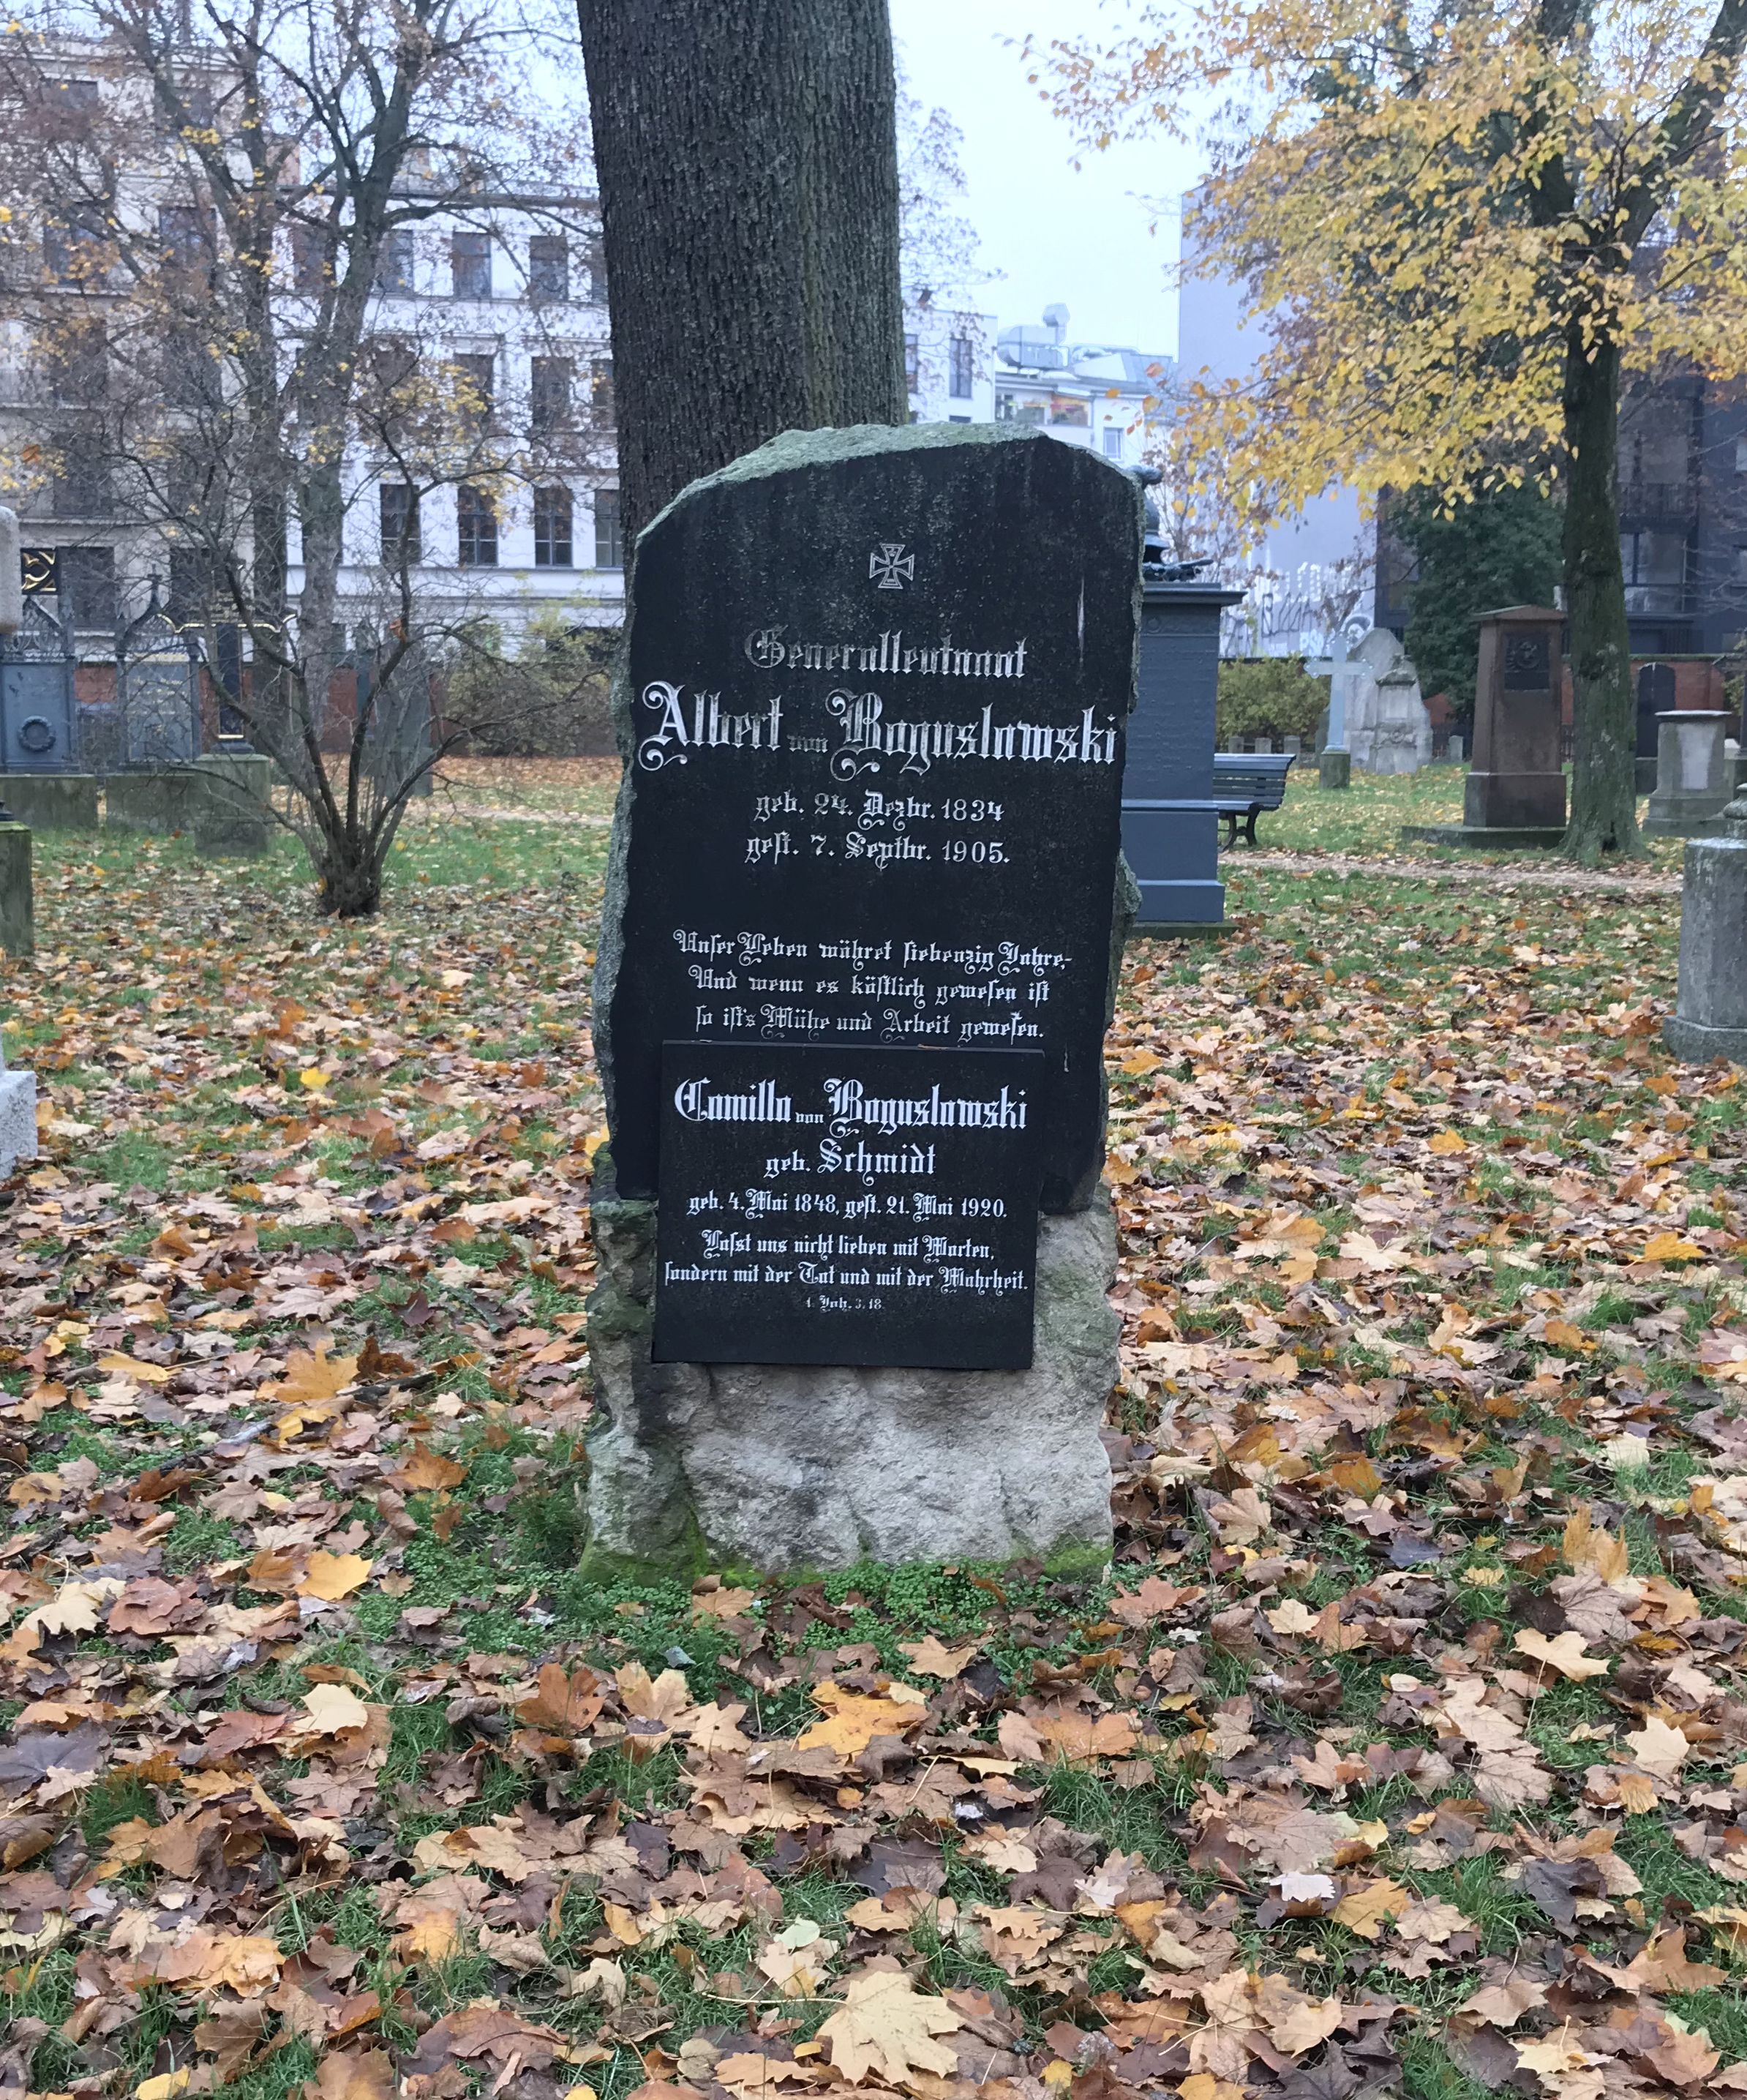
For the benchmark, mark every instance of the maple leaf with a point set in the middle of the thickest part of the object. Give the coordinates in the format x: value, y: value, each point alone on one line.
x: 1503, y: 2005
x: 311, y: 1391
x: 717, y: 1602
x: 931, y: 1658
x: 356, y: 2075
x: 566, y: 1704
x: 1303, y: 2025
x: 1362, y: 1910
x: 1152, y: 1598
x: 1685, y: 2059
x: 1657, y: 1749
x: 333, y: 1709
x: 663, y: 1698
x: 886, y: 2028
x: 425, y: 1471
x: 1564, y: 1653
x: 1511, y: 1778
x: 330, y: 1577
x: 854, y: 1719
x: 1554, y: 2058
x: 1433, y: 1921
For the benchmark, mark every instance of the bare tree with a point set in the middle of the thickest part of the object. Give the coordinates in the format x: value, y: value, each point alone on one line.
x: 227, y: 225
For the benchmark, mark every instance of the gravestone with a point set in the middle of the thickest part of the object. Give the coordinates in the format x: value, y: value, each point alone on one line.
x: 1170, y: 830
x: 1517, y: 780
x: 864, y: 910
x: 233, y: 814
x: 1389, y: 730
x: 1709, y: 1018
x: 1692, y: 774
x: 1515, y: 793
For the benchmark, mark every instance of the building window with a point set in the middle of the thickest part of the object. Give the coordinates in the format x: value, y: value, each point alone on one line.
x: 958, y: 419
x: 475, y: 388
x: 601, y: 392
x: 75, y: 252
x: 549, y: 396
x: 78, y: 365
x: 1064, y: 410
x: 594, y: 268
x: 961, y: 368
x: 188, y: 235
x: 309, y: 260
x: 548, y: 266
x: 476, y: 528
x: 1654, y: 565
x: 82, y: 478
x: 399, y: 518
x: 471, y: 265
x: 552, y: 528
x: 1015, y: 408
x: 609, y: 538
x: 913, y: 363
x: 393, y: 265
x: 85, y: 583
x: 1113, y: 441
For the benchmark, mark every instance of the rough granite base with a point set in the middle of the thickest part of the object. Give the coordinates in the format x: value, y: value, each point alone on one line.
x: 18, y: 1118
x: 778, y: 1467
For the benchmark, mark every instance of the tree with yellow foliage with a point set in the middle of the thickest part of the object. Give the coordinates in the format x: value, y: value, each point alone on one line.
x: 1462, y: 218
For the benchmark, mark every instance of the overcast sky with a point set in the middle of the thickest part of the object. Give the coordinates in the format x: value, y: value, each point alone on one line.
x: 1081, y: 236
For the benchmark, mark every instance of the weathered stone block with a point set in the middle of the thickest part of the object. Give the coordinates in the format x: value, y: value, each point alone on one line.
x: 18, y: 1118
x: 795, y: 1466
x: 152, y: 803
x: 52, y: 801
x: 17, y: 896
x: 1710, y: 1016
x: 233, y: 814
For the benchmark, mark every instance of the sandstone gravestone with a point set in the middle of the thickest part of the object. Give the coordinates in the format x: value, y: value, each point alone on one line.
x: 1517, y: 780
x: 863, y: 911
x: 1515, y: 793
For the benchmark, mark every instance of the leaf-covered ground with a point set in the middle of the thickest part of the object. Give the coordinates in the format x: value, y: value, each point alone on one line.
x: 1403, y: 1750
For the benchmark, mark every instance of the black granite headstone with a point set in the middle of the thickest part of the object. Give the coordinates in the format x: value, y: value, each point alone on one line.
x: 847, y: 1206
x: 873, y: 723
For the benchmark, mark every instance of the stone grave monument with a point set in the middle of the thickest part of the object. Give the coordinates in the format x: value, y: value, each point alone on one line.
x: 1692, y: 774
x: 1389, y: 730
x: 18, y: 1090
x: 1514, y: 794
x: 864, y: 905
x: 1710, y: 1010
x: 1170, y: 830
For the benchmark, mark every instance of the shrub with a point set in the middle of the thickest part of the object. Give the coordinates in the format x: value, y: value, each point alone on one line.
x: 547, y: 699
x: 1268, y: 696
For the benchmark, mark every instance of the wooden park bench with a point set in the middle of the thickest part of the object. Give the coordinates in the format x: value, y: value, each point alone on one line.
x: 1247, y: 782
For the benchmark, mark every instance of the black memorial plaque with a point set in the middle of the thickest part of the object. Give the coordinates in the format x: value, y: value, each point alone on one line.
x: 877, y: 683
x: 861, y: 1206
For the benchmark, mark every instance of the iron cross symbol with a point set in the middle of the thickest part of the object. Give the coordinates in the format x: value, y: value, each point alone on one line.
x: 890, y: 566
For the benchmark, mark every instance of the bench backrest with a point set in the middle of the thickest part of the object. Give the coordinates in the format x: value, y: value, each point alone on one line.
x: 1252, y: 776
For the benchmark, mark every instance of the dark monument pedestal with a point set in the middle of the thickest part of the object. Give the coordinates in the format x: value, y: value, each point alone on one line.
x: 1170, y: 830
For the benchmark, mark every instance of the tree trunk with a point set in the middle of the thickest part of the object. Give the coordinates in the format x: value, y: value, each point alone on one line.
x: 1603, y: 791
x: 748, y: 163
